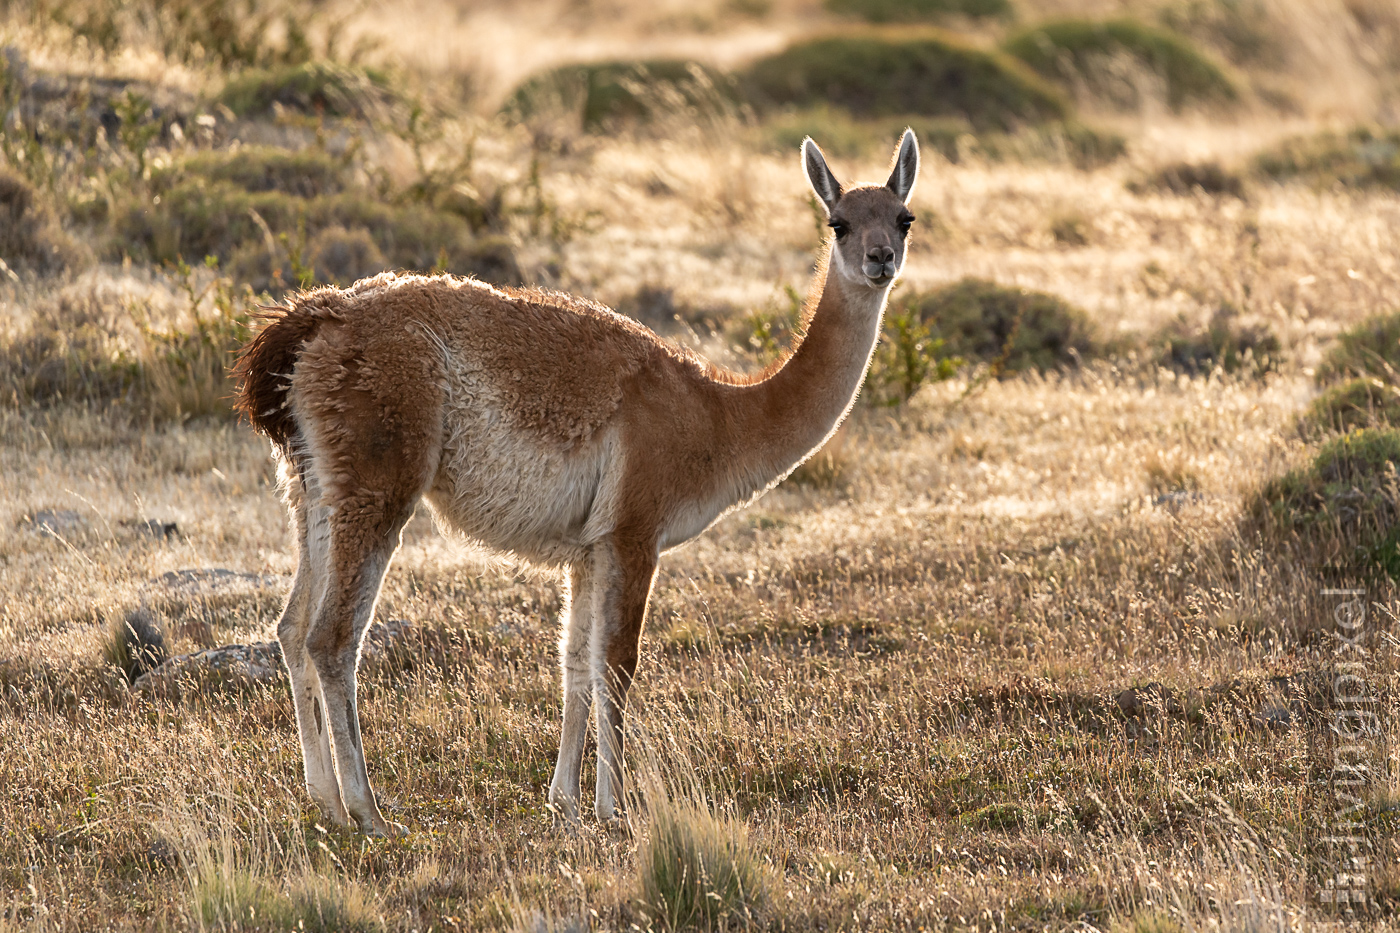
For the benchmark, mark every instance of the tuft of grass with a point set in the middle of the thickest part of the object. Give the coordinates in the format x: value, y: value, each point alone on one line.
x: 1184, y: 178
x: 698, y: 870
x: 313, y: 88
x: 1223, y: 344
x: 1012, y: 329
x: 1080, y: 53
x: 906, y: 11
x: 239, y: 899
x: 1371, y: 348
x: 924, y: 72
x: 1357, y: 403
x: 1364, y: 157
x: 134, y: 644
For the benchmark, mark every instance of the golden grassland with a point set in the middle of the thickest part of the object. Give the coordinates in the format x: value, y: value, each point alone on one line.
x: 893, y: 694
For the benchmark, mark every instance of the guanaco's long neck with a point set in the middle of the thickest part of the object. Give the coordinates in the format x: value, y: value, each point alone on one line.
x: 791, y: 413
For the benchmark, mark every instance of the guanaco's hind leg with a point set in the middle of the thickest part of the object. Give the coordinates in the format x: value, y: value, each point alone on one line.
x: 360, y: 548
x: 318, y: 761
x: 626, y: 567
x: 578, y: 686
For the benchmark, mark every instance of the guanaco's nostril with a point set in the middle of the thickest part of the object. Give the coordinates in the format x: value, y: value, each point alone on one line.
x: 880, y: 254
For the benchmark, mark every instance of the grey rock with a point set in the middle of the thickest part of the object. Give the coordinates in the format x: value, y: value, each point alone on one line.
x: 208, y: 581
x: 57, y: 523
x: 230, y: 667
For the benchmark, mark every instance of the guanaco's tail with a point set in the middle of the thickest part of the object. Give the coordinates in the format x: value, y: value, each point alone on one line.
x: 264, y: 370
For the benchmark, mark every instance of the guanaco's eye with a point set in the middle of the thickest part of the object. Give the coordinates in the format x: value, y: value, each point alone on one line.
x: 840, y: 227
x: 905, y: 223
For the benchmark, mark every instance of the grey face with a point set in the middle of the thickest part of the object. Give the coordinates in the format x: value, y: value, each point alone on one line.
x: 871, y: 227
x: 871, y: 222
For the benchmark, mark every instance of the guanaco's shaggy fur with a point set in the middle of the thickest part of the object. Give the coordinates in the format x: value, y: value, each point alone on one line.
x: 544, y: 426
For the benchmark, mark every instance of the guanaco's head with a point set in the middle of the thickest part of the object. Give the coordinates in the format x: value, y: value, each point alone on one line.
x: 871, y: 222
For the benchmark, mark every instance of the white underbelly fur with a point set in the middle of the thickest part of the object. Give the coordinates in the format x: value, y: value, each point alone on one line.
x: 524, y: 495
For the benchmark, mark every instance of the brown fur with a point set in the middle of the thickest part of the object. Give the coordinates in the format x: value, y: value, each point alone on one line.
x: 541, y: 425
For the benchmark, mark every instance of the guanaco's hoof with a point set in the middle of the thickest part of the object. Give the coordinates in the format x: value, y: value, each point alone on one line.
x: 390, y: 830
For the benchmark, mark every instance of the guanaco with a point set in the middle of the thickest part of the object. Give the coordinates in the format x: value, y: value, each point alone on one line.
x: 546, y: 427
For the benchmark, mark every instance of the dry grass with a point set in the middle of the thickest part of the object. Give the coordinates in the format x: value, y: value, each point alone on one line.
x: 891, y: 691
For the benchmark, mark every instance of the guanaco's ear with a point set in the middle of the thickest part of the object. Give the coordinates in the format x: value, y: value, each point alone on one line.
x: 906, y: 167
x: 824, y: 183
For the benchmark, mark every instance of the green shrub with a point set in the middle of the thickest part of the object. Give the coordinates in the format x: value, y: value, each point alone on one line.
x: 1371, y: 348
x: 608, y: 93
x: 1185, y: 178
x: 1011, y: 328
x: 315, y: 88
x: 1075, y: 51
x: 922, y: 72
x: 1343, y: 505
x: 1223, y: 344
x: 697, y: 870
x: 1360, y: 158
x: 903, y: 11
x: 907, y: 356
x: 1358, y: 403
x: 29, y: 236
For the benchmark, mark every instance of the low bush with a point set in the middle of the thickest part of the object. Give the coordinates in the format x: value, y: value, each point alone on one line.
x: 30, y: 237
x: 305, y: 173
x: 954, y: 138
x: 69, y: 352
x: 606, y: 94
x: 313, y: 88
x: 198, y: 32
x: 1358, y: 403
x: 922, y: 72
x: 907, y: 356
x: 1341, y: 507
x: 1371, y: 348
x: 237, y: 208
x: 1184, y: 178
x: 1080, y: 53
x: 1223, y: 344
x: 903, y: 11
x: 1011, y: 329
x: 1361, y: 158
x: 109, y: 353
x: 340, y: 256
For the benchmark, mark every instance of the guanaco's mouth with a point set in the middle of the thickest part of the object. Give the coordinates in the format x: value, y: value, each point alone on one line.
x: 878, y: 274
